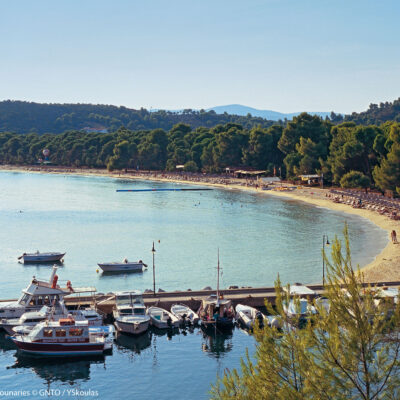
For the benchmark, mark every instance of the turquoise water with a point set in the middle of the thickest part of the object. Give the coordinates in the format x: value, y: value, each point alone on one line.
x: 258, y: 236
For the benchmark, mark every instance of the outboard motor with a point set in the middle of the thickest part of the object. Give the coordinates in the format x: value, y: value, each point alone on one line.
x: 260, y: 320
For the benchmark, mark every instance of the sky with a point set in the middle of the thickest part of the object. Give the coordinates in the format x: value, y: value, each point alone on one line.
x: 282, y: 55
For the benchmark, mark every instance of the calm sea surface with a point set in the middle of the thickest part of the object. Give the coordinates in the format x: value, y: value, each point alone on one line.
x: 258, y: 236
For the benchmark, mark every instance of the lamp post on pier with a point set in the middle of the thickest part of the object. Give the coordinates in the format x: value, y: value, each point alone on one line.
x: 325, y: 241
x: 153, y: 250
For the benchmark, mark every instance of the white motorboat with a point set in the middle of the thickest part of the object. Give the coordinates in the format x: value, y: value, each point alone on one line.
x: 41, y: 257
x: 124, y: 266
x: 29, y: 320
x: 130, y: 313
x: 65, y: 337
x: 248, y: 316
x: 299, y: 306
x: 162, y: 319
x: 37, y: 294
x: 185, y: 314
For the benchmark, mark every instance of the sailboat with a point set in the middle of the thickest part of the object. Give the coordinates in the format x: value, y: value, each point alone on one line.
x: 216, y: 313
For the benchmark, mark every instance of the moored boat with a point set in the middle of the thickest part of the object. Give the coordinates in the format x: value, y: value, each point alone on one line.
x: 249, y: 316
x: 65, y: 337
x: 124, y: 266
x: 216, y: 313
x: 37, y: 294
x: 162, y: 319
x: 185, y: 314
x: 38, y: 257
x: 29, y: 320
x: 130, y: 313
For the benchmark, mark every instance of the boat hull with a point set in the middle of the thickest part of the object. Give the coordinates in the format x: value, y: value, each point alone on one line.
x: 59, y: 349
x: 133, y: 328
x: 129, y: 267
x: 222, y: 325
x: 42, y: 258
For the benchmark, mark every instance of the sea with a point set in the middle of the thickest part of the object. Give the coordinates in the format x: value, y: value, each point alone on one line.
x: 258, y: 237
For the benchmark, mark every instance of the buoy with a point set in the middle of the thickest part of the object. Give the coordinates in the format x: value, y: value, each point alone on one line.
x: 97, y: 270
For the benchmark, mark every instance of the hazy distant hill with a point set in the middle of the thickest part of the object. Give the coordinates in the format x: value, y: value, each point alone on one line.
x: 238, y: 109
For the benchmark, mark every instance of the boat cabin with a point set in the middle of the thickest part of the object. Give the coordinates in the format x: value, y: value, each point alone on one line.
x: 128, y: 299
x: 63, y: 330
x: 214, y: 309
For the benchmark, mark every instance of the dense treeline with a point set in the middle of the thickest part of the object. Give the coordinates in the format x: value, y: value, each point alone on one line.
x: 25, y: 117
x: 347, y: 154
x: 377, y: 114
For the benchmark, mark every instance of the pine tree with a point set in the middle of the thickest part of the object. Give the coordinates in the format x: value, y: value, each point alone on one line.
x: 350, y: 350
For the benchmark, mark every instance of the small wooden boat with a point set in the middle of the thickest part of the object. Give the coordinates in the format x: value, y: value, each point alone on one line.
x: 162, y: 319
x: 185, y: 314
x: 124, y: 266
x: 216, y: 313
x: 41, y: 257
x: 249, y: 316
x: 65, y: 337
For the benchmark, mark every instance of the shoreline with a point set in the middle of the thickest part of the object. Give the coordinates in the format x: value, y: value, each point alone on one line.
x: 384, y: 267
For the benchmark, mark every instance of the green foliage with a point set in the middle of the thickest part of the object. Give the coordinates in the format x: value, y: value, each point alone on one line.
x: 305, y: 142
x: 387, y: 174
x: 377, y: 114
x: 191, y: 166
x: 355, y: 179
x: 24, y: 117
x: 351, y: 351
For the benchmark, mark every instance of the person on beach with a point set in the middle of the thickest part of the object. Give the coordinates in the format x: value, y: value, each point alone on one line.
x: 394, y: 237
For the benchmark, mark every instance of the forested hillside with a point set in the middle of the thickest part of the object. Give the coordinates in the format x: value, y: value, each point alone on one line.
x: 377, y: 114
x: 24, y: 117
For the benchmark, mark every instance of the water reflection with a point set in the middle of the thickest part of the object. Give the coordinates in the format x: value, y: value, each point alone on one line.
x: 68, y: 370
x: 135, y: 344
x: 216, y: 345
x: 6, y: 344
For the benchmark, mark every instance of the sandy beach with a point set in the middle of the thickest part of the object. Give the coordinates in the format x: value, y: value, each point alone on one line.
x: 385, y: 267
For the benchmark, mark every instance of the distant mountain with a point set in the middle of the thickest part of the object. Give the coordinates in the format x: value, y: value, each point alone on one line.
x: 238, y: 109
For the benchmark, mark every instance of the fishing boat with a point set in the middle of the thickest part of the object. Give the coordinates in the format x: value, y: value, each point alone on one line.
x: 162, y: 319
x: 248, y: 316
x: 65, y: 337
x: 185, y: 314
x: 124, y: 266
x: 215, y: 312
x: 41, y: 257
x: 130, y: 313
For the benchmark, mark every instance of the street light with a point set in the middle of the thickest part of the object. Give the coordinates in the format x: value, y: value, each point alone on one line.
x: 153, y: 250
x: 324, y: 242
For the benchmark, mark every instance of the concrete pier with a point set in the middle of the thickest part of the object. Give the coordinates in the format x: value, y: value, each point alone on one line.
x: 254, y: 297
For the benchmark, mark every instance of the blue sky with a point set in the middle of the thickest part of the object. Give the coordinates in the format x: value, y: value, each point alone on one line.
x: 288, y: 56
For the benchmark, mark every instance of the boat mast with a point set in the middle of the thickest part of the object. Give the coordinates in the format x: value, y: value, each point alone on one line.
x: 218, y: 277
